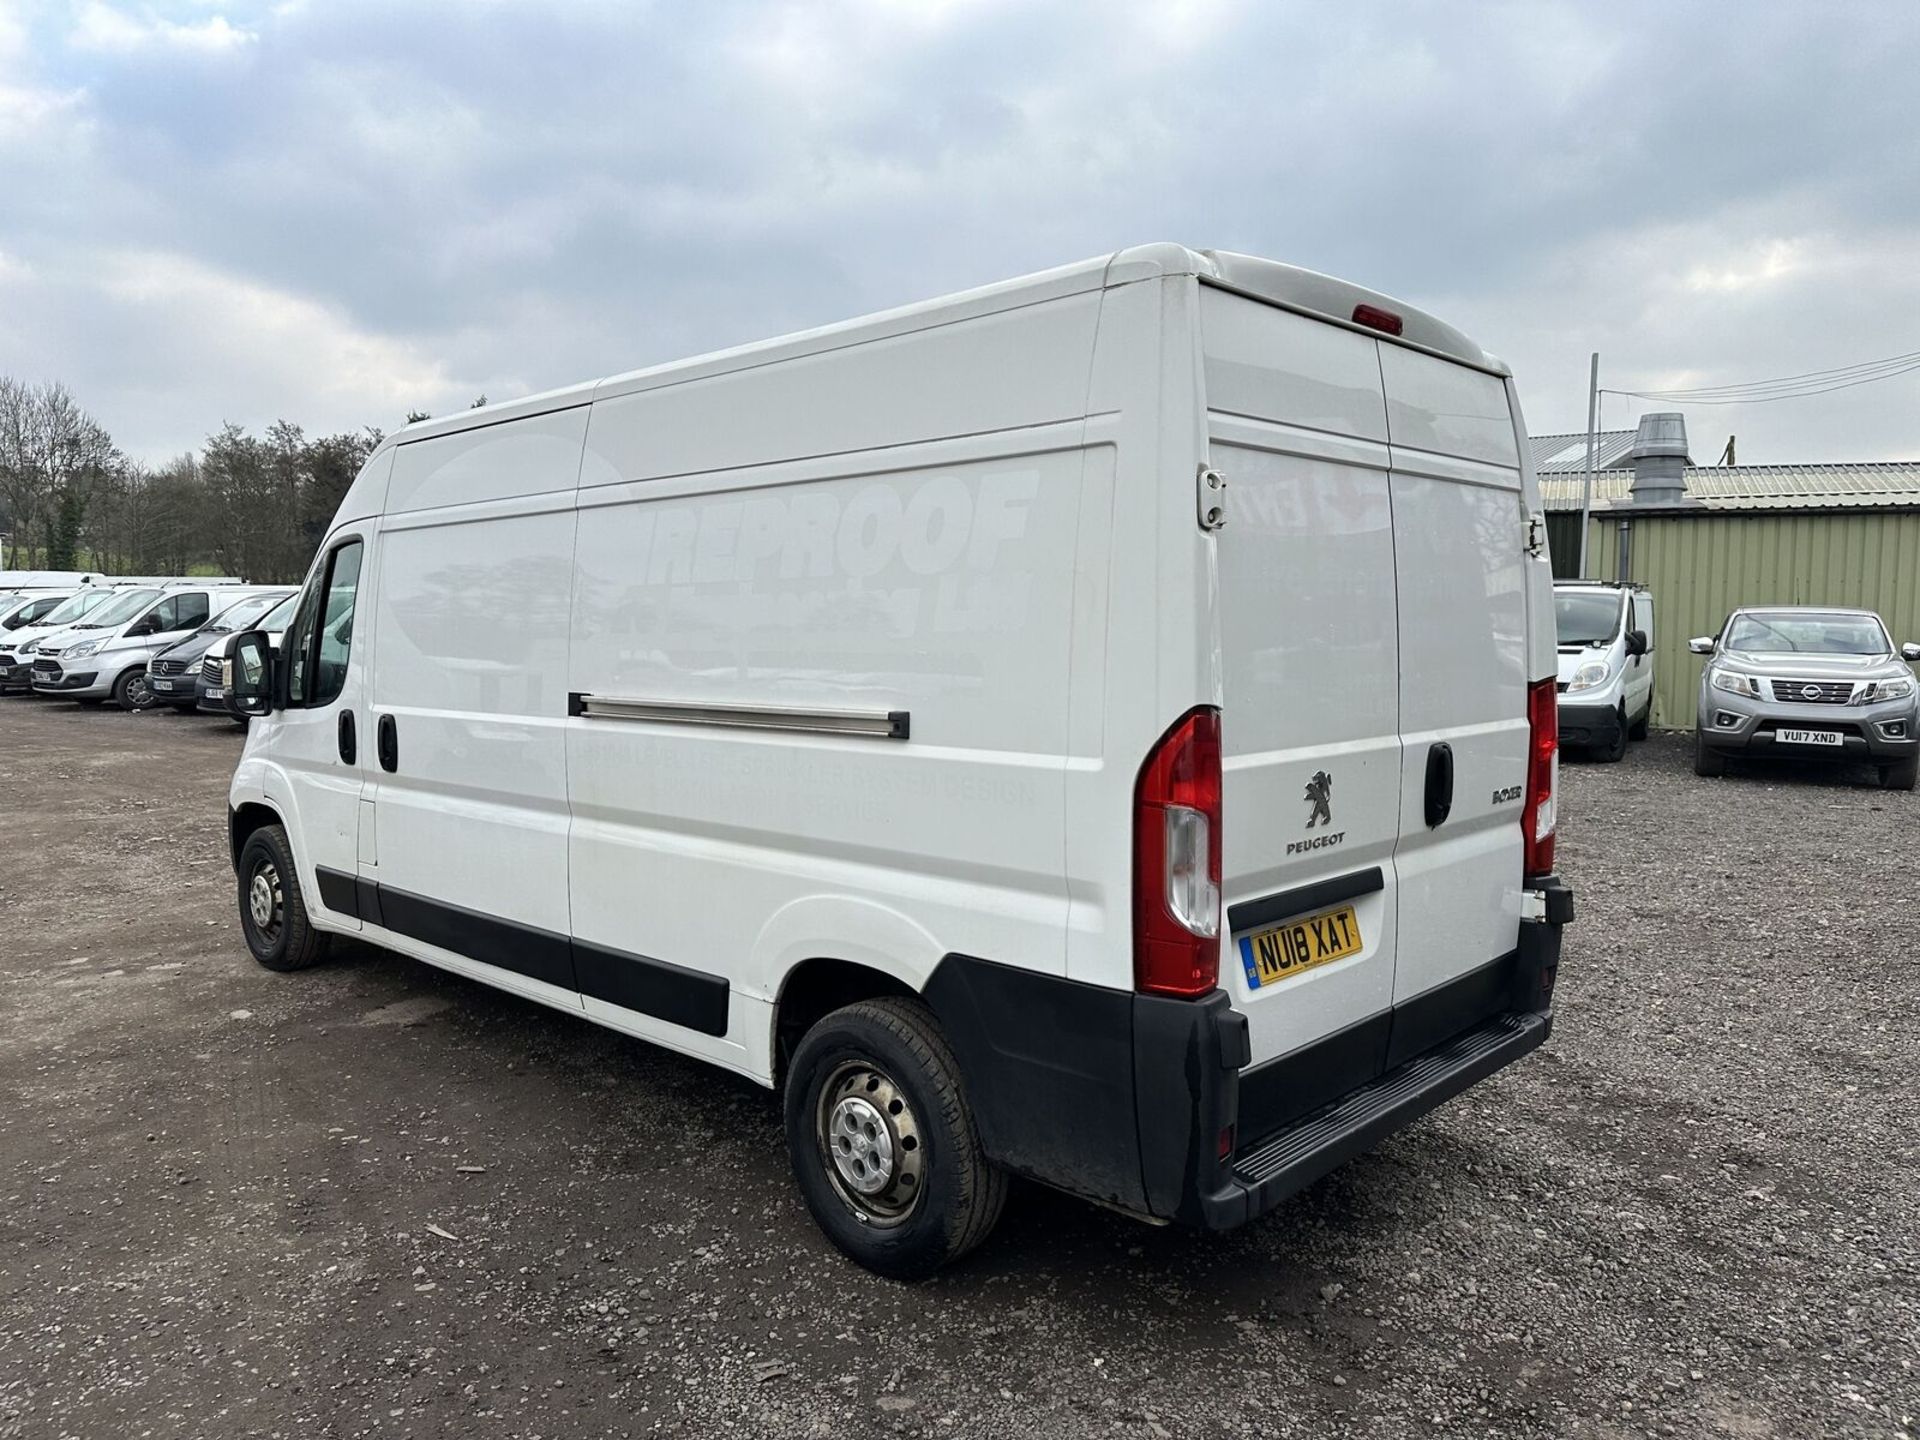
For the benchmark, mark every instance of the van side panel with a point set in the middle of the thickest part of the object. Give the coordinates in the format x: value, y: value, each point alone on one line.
x: 535, y: 456
x: 470, y: 664
x: 1026, y: 366
x: 932, y: 580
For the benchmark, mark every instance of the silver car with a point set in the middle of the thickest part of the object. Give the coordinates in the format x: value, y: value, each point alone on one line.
x: 1808, y: 681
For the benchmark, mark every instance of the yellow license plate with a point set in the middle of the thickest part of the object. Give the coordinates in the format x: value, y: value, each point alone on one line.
x: 1299, y: 945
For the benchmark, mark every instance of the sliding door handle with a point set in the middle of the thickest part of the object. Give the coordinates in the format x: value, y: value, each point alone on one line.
x: 387, y: 742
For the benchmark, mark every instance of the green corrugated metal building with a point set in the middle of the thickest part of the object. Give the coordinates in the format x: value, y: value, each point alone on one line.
x: 1841, y: 534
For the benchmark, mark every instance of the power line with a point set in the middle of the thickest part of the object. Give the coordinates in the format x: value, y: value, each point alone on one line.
x: 1790, y: 387
x: 1808, y: 375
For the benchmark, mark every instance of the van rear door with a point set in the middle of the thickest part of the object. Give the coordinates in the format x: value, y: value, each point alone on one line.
x: 1459, y: 530
x: 1310, y: 664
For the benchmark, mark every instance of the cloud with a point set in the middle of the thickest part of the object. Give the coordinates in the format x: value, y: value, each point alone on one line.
x: 99, y: 26
x: 162, y: 323
x: 514, y: 197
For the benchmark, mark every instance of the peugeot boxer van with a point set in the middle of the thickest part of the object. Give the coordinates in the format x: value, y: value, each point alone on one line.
x: 1099, y: 728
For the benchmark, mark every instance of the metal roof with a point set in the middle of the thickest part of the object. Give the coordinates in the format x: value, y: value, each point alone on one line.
x: 1880, y: 485
x: 1557, y: 454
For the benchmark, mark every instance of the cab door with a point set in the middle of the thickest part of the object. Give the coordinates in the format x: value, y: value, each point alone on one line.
x: 1639, y: 686
x: 319, y: 740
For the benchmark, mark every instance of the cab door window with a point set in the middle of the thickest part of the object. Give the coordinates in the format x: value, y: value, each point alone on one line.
x: 186, y: 610
x: 319, y: 643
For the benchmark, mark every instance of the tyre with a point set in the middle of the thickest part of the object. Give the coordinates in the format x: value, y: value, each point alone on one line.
x: 1706, y: 761
x: 883, y: 1144
x: 273, y: 914
x: 1901, y: 774
x: 130, y: 691
x: 1615, y: 750
x: 1638, y: 730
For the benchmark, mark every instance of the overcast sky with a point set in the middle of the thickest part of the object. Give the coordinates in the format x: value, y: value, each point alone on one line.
x: 334, y: 211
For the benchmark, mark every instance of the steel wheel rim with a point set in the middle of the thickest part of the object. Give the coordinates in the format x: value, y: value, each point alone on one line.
x: 138, y: 695
x: 870, y: 1144
x: 266, y: 901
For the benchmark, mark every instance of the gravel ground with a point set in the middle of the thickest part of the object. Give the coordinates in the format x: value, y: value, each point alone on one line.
x: 377, y: 1200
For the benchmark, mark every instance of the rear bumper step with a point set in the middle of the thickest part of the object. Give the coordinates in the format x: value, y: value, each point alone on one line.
x: 1282, y: 1164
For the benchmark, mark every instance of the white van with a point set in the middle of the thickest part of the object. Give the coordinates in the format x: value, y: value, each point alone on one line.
x: 1098, y: 727
x: 1605, y: 635
x: 17, y: 644
x: 104, y: 656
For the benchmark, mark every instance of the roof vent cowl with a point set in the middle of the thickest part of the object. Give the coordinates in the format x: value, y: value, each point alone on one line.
x: 1660, y: 461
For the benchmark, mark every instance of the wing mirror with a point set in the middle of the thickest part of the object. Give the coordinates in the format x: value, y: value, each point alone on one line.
x: 1910, y: 651
x: 1636, y: 642
x: 251, y: 657
x: 1701, y: 644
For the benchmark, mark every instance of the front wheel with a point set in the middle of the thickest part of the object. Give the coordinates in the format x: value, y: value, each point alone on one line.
x: 1901, y: 774
x: 1706, y: 761
x: 273, y: 913
x: 1615, y: 750
x: 1638, y: 730
x: 131, y: 691
x: 883, y: 1143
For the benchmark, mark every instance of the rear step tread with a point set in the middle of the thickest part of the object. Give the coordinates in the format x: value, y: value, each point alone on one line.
x: 1396, y: 1097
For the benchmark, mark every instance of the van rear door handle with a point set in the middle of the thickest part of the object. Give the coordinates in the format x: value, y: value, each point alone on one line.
x: 386, y: 740
x: 348, y: 746
x: 1439, y: 783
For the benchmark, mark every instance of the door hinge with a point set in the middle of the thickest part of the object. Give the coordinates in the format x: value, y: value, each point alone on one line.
x: 1536, y: 534
x: 1212, y: 498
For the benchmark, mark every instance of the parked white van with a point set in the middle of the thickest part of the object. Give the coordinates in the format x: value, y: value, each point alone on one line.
x: 17, y: 645
x: 1098, y: 727
x: 1605, y: 634
x: 104, y: 656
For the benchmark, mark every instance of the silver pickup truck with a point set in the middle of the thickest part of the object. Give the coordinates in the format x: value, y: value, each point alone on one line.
x: 1808, y: 682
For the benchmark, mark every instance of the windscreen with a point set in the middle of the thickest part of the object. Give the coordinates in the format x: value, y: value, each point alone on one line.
x: 242, y: 616
x: 1785, y: 632
x: 1585, y: 618
x: 120, y: 609
x: 75, y: 606
x: 275, y: 621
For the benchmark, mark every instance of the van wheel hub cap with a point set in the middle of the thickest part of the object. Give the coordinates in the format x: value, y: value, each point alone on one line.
x: 263, y: 897
x: 871, y: 1139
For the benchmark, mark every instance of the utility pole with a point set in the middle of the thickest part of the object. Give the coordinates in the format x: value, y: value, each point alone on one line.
x: 1586, y: 493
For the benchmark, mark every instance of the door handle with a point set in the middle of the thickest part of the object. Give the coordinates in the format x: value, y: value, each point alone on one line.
x: 348, y: 746
x: 387, y: 742
x: 1439, y: 783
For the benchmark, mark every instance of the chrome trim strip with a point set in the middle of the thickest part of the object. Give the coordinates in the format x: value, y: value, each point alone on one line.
x: 877, y: 724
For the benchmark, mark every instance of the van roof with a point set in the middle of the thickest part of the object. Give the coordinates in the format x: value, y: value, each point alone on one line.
x: 1288, y: 286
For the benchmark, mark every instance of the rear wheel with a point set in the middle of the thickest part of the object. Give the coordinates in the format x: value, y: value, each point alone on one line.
x: 273, y: 913
x: 883, y: 1143
x: 1615, y: 750
x: 1706, y: 761
x: 1901, y: 774
x: 131, y: 691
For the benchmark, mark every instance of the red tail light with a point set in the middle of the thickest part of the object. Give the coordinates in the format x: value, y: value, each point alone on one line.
x: 1176, y: 861
x: 1537, y: 820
